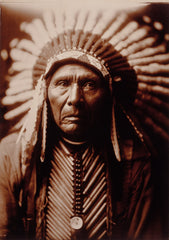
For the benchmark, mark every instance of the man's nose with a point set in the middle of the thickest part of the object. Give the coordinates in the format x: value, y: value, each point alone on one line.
x: 75, y: 95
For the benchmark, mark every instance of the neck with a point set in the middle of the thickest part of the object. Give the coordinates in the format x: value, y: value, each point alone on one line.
x: 76, y: 143
x: 72, y: 146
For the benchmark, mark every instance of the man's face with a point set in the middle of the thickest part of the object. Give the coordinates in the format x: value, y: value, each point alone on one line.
x: 77, y: 98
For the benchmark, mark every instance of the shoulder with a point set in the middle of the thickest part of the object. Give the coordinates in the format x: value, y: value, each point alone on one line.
x: 9, y: 146
x: 9, y: 139
x: 136, y: 161
x: 10, y: 153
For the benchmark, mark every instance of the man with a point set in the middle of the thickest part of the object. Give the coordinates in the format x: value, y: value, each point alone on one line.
x: 79, y: 169
x: 80, y: 105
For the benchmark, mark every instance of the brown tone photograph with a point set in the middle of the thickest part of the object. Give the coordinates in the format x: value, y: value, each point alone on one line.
x: 84, y: 120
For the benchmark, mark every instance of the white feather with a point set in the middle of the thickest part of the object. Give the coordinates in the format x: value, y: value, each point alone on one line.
x: 18, y: 111
x: 32, y: 31
x: 153, y: 68
x: 19, y: 88
x: 49, y: 23
x: 149, y: 51
x: 137, y: 35
x: 138, y: 46
x: 42, y: 32
x: 115, y: 26
x: 19, y: 55
x: 29, y: 46
x: 124, y: 33
x: 153, y: 89
x: 13, y: 43
x: 91, y: 21
x: 20, y: 66
x: 19, y: 98
x: 161, y: 58
x: 103, y: 22
x: 59, y: 20
x: 21, y: 75
x: 159, y: 80
x: 70, y: 18
x: 81, y: 20
x: 20, y: 81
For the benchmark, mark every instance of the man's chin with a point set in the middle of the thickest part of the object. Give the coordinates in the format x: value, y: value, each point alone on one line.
x: 74, y: 131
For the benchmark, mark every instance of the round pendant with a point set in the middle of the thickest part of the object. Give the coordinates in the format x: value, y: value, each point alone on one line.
x: 76, y: 222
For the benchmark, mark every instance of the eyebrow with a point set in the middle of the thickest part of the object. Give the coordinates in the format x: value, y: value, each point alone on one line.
x: 82, y: 77
x: 88, y: 76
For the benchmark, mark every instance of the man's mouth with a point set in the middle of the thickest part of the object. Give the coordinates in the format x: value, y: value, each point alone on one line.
x: 74, y: 118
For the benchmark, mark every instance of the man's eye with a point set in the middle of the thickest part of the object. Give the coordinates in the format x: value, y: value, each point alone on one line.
x: 62, y: 83
x: 89, y: 85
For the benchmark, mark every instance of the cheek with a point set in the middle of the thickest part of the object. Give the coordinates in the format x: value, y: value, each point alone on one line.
x: 99, y: 108
x: 55, y: 104
x: 96, y: 101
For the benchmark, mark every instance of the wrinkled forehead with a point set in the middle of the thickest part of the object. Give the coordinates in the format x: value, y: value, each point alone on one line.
x: 72, y: 66
x: 75, y: 71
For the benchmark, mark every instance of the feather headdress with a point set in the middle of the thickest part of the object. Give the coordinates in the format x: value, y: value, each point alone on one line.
x: 131, y: 54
